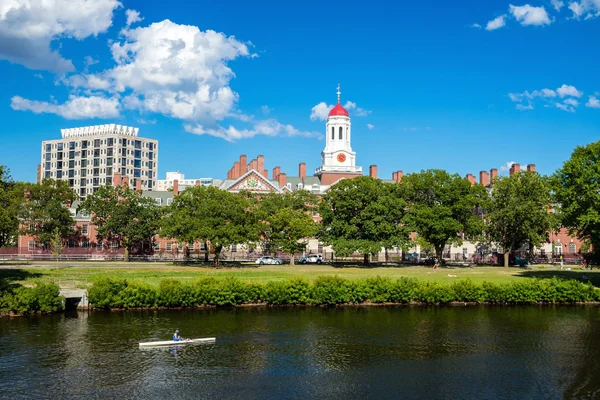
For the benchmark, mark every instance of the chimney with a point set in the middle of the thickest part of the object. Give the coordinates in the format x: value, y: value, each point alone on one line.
x: 260, y: 163
x: 282, y: 179
x: 138, y: 184
x: 531, y: 167
x: 229, y: 174
x: 265, y: 174
x: 236, y: 170
x: 302, y: 171
x: 399, y: 176
x: 116, y: 179
x: 373, y: 171
x: 395, y: 176
x: 493, y: 175
x: 243, y: 164
x: 175, y: 187
x: 276, y: 172
x: 484, y: 178
x: 471, y: 178
x: 197, y: 183
x: 515, y: 169
x: 39, y: 173
x: 125, y: 181
x: 253, y: 165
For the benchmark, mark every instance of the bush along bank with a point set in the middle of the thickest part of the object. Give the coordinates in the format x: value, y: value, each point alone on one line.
x: 20, y: 300
x: 122, y: 294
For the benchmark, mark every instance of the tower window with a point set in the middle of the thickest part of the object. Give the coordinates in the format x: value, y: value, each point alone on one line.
x: 332, y: 133
x: 341, y: 133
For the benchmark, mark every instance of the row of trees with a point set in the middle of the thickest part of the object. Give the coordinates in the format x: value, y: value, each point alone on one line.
x: 359, y: 215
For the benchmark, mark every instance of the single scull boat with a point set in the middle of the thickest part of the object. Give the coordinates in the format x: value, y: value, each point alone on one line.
x: 176, y: 343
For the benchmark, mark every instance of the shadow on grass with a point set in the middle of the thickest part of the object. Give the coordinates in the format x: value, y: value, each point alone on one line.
x: 580, y: 275
x: 9, y: 276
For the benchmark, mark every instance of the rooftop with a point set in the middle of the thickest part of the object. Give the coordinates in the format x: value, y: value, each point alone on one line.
x: 98, y: 130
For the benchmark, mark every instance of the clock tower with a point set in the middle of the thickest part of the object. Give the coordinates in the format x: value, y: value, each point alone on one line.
x: 337, y: 159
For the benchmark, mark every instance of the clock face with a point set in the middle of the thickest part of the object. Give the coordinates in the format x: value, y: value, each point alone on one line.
x: 341, y: 157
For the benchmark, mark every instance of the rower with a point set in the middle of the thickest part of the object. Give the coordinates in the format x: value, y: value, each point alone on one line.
x: 176, y: 337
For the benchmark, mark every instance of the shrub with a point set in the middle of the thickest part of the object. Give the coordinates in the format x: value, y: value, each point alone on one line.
x: 137, y: 295
x: 403, y: 290
x: 48, y: 298
x: 105, y: 293
x: 172, y: 293
x: 44, y: 298
x: 330, y: 290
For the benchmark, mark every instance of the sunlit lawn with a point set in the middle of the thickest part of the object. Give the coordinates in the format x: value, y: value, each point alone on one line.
x: 81, y: 274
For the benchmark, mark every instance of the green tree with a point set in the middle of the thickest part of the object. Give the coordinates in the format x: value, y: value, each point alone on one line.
x: 122, y: 214
x: 577, y: 193
x: 518, y: 212
x: 45, y: 210
x: 11, y: 198
x: 363, y: 215
x: 56, y: 244
x: 286, y: 222
x: 441, y: 206
x: 212, y: 215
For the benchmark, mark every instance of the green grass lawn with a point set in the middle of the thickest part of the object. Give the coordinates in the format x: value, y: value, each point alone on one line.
x: 82, y: 274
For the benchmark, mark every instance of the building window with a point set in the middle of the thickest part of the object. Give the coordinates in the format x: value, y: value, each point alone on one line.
x: 320, y: 248
x: 341, y: 133
x: 572, y: 248
x: 159, y: 202
x: 169, y: 201
x: 332, y: 133
x: 31, y: 245
x: 234, y: 248
x: 71, y: 244
x: 202, y: 246
x: 114, y: 244
x: 85, y: 244
x: 169, y: 246
x: 84, y: 229
x: 156, y: 246
x: 99, y: 245
x: 179, y: 246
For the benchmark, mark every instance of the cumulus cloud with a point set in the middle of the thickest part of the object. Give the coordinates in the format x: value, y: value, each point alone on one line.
x: 557, y: 4
x: 27, y: 29
x: 593, y: 102
x: 321, y: 111
x: 529, y: 15
x: 476, y: 26
x: 370, y: 126
x: 526, y: 99
x: 496, y: 23
x: 585, y: 8
x: 268, y: 127
x: 566, y: 90
x: 133, y: 16
x: 74, y: 108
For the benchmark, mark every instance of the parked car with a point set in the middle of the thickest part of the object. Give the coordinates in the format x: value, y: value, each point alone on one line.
x: 311, y: 259
x: 268, y: 260
x: 411, y: 257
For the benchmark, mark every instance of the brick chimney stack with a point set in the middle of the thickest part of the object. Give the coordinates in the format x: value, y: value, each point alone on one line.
x: 302, y: 171
x: 399, y: 176
x: 515, y: 169
x: 471, y: 178
x: 260, y: 167
x: 484, y: 178
x: 276, y: 172
x: 282, y: 179
x: 236, y: 170
x: 125, y: 181
x: 243, y: 164
x: 531, y: 167
x: 493, y: 175
x: 116, y: 179
x: 373, y: 171
x: 138, y: 184
x: 175, y: 187
x: 197, y: 183
x: 395, y: 176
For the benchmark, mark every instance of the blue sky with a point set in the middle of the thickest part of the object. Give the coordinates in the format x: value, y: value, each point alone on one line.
x: 463, y: 86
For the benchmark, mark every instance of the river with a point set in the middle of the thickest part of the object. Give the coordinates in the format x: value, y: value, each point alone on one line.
x: 307, y: 353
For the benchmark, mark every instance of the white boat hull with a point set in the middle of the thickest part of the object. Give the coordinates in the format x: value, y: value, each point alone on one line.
x: 176, y: 343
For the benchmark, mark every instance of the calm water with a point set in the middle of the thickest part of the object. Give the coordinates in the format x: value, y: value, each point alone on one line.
x: 290, y: 353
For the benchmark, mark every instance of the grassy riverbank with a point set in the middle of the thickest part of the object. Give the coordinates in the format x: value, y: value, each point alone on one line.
x: 82, y: 274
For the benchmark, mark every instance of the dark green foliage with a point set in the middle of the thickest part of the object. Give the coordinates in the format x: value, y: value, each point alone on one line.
x: 330, y: 290
x: 43, y: 298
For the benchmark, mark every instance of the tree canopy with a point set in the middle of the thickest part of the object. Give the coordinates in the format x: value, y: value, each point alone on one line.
x: 518, y: 213
x: 212, y: 215
x: 122, y: 214
x: 441, y: 206
x: 11, y: 197
x: 45, y: 210
x: 362, y: 215
x: 577, y: 192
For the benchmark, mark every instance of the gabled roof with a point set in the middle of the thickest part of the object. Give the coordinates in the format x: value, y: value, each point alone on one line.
x: 251, y: 181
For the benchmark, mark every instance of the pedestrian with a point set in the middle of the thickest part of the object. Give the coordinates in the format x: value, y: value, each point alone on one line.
x: 435, y: 263
x: 561, y: 262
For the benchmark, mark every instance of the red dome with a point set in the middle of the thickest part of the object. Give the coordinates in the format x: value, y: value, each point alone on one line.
x: 338, y: 111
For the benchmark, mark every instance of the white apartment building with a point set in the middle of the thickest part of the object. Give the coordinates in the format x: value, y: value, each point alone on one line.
x: 88, y: 157
x: 163, y: 185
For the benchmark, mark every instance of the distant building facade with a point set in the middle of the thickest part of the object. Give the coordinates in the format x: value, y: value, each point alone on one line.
x: 163, y: 185
x: 88, y: 157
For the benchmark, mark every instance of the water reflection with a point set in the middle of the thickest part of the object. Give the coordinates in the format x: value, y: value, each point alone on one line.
x: 351, y: 353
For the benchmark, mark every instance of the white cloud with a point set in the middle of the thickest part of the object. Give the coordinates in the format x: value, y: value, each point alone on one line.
x: 321, y: 111
x: 27, y: 29
x: 572, y: 102
x: 370, y: 127
x: 593, y: 102
x: 39, y: 76
x: 133, y: 16
x: 507, y: 166
x: 586, y: 8
x: 74, y: 108
x: 269, y: 127
x: 476, y: 26
x: 146, y: 121
x: 89, y: 61
x: 523, y: 107
x: 566, y: 90
x: 529, y: 15
x: 557, y: 4
x: 266, y: 110
x: 565, y: 107
x: 496, y: 23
